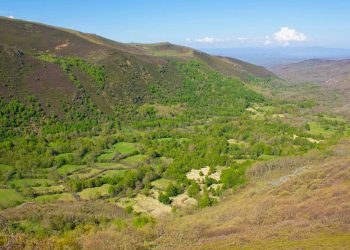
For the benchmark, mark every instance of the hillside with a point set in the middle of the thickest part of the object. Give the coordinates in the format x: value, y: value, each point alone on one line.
x: 128, y: 69
x: 329, y: 73
x: 105, y: 145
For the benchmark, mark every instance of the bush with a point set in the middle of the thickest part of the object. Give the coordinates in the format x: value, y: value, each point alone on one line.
x: 173, y: 190
x: 143, y: 220
x: 205, y: 201
x: 232, y: 177
x: 164, y: 198
x: 129, y: 209
x: 193, y: 190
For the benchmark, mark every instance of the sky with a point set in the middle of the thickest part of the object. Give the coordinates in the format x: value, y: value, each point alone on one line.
x: 197, y: 23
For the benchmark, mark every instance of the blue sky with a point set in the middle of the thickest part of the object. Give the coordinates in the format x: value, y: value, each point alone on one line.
x: 197, y: 23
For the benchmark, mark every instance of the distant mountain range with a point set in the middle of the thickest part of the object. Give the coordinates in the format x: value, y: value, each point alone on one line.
x: 279, y: 55
x: 329, y: 73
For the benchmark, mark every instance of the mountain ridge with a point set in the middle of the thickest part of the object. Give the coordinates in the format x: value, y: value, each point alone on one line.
x: 128, y: 68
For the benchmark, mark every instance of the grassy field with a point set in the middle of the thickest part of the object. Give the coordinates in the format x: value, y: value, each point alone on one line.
x: 125, y: 147
x: 94, y: 193
x: 4, y: 167
x: 103, y: 165
x: 23, y: 183
x: 161, y: 184
x: 64, y: 156
x: 70, y: 168
x: 87, y: 173
x: 114, y: 173
x: 54, y: 197
x: 48, y: 190
x: 10, y: 198
x: 265, y: 157
x: 135, y: 159
x: 107, y: 155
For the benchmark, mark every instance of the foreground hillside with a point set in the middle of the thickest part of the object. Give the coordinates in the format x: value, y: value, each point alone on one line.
x: 116, y: 146
x: 291, y: 203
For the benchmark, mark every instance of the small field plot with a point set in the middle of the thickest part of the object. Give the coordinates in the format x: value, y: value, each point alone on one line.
x: 48, y: 190
x: 110, y: 165
x: 23, y: 183
x: 64, y: 157
x: 125, y: 147
x: 94, y: 193
x: 69, y: 168
x: 86, y: 173
x: 10, y: 198
x: 4, y: 167
x: 161, y: 184
x: 94, y: 139
x: 134, y: 160
x: 114, y: 173
x: 54, y: 197
x: 264, y: 157
x: 107, y: 155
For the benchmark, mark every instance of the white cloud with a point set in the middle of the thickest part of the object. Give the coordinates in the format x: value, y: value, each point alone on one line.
x: 12, y: 17
x: 208, y: 39
x: 286, y: 35
x: 283, y: 37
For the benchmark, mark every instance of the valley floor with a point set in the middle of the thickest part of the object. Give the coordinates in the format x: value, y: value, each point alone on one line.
x: 290, y: 203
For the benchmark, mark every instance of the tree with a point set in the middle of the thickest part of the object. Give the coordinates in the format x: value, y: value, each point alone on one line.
x: 231, y: 177
x: 173, y: 190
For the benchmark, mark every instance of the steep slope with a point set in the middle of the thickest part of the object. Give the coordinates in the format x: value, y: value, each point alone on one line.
x: 330, y: 73
x: 290, y: 203
x: 128, y: 69
x: 226, y: 65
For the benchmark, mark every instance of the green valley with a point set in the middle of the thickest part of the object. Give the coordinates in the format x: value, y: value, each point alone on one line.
x: 161, y: 146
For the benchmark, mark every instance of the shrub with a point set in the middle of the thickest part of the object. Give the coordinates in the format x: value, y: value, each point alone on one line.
x: 205, y: 201
x: 193, y: 190
x: 164, y: 198
x: 143, y: 220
